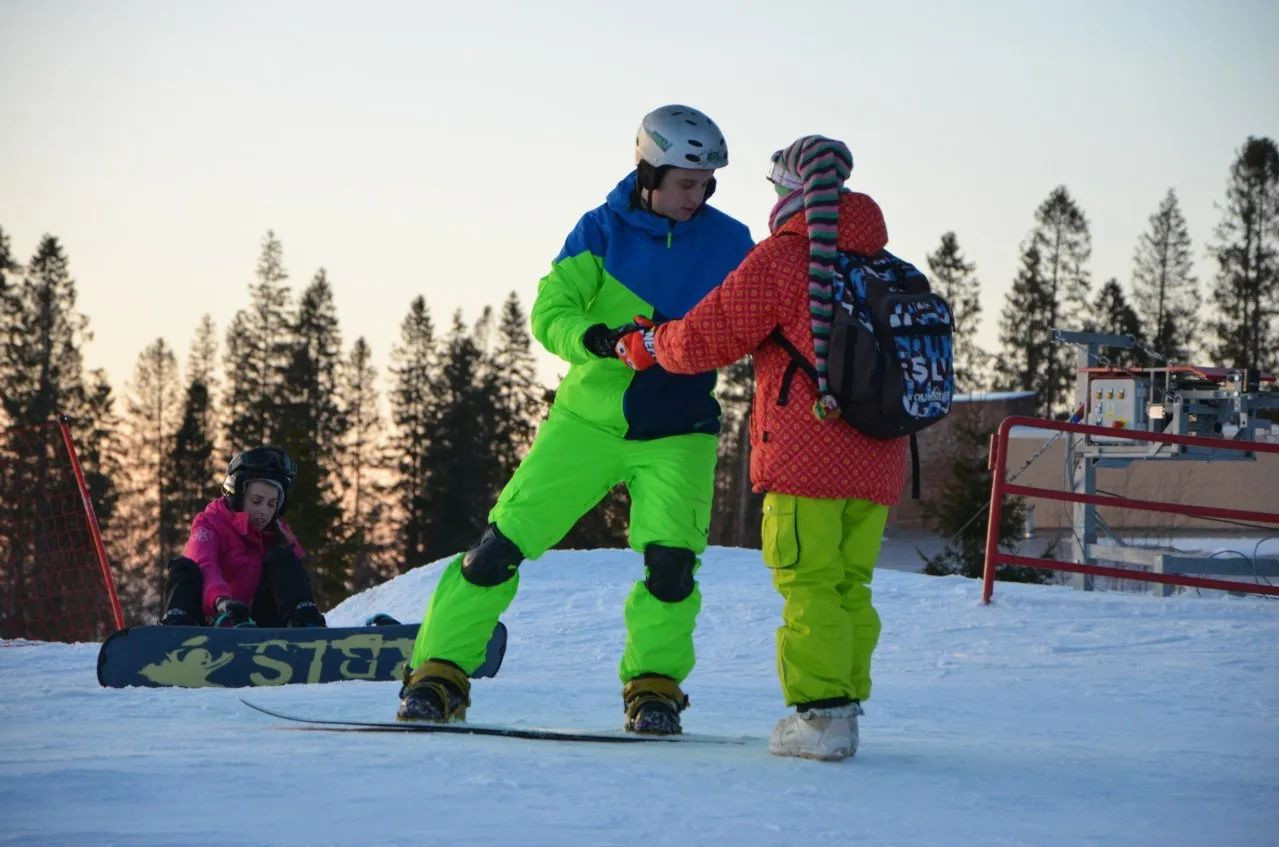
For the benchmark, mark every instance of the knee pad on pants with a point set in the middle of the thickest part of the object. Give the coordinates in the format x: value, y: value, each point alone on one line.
x: 493, y: 559
x: 670, y: 572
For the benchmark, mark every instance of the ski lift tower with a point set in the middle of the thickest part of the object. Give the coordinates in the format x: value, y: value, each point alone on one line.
x: 1172, y: 399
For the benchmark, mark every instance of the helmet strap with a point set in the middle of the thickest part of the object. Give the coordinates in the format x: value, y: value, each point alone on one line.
x: 649, y: 178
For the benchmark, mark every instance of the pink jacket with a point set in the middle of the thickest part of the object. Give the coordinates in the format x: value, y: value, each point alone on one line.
x: 230, y: 552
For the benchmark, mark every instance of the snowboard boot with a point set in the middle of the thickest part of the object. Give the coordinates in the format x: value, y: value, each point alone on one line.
x: 653, y: 704
x: 827, y: 734
x: 180, y: 617
x: 381, y: 619
x: 306, y: 614
x: 435, y: 692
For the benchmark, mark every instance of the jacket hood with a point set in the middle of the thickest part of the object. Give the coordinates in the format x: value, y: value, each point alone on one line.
x: 861, y: 224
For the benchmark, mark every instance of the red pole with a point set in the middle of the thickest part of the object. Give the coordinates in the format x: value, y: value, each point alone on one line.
x: 998, y: 456
x: 92, y: 521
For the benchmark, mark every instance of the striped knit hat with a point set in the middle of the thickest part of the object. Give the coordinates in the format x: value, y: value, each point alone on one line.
x: 822, y: 165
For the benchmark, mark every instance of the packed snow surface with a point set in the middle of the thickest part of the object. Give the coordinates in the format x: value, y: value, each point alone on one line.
x: 1051, y: 717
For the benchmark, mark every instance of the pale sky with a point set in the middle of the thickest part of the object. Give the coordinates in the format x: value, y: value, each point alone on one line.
x: 447, y: 149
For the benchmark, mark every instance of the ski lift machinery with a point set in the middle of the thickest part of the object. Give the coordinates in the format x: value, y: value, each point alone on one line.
x: 1173, y: 399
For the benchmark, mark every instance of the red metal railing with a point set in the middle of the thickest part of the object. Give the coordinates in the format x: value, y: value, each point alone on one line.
x: 1000, y: 487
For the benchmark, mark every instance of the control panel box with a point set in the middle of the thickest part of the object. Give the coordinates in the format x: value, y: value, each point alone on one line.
x: 1118, y: 404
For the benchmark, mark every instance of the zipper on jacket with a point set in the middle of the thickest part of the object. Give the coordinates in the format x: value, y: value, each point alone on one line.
x: 670, y: 230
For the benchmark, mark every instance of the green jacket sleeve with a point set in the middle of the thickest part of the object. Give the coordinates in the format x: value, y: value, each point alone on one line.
x: 560, y: 313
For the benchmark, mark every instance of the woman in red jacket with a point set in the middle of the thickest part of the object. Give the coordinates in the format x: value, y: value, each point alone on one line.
x: 829, y: 487
x: 242, y: 564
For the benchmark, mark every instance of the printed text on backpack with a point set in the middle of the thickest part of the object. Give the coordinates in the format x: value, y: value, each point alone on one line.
x: 890, y: 362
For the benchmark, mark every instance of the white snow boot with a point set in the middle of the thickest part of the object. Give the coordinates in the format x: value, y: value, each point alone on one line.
x: 829, y: 734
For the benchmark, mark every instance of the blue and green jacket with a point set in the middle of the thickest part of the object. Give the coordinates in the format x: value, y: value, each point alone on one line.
x: 618, y: 262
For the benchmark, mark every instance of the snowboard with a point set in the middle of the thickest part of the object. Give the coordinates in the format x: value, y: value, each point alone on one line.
x: 239, y: 657
x: 529, y: 733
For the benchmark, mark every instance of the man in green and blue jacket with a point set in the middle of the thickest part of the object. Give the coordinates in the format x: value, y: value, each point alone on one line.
x: 651, y: 251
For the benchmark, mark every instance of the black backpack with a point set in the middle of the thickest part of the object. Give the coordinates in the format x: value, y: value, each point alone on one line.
x: 890, y: 362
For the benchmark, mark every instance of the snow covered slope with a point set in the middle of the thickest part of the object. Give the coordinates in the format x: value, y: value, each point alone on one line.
x: 1050, y: 718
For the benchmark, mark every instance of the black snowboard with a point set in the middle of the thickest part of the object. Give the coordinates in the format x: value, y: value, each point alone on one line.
x: 486, y: 729
x: 196, y: 657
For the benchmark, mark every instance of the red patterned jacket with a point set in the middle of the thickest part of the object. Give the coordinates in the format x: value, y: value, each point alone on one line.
x: 792, y: 451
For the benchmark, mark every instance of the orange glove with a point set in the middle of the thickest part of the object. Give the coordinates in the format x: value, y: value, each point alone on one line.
x: 635, y: 348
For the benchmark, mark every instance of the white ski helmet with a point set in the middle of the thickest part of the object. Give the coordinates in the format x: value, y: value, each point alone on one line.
x: 680, y: 137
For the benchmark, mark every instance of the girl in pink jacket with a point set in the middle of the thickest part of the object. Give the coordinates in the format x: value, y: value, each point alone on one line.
x: 242, y: 565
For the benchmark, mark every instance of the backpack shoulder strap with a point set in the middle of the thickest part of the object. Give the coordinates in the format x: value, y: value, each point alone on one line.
x: 797, y: 362
x: 793, y: 352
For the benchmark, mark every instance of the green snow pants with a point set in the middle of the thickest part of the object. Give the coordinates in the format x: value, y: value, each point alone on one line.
x: 822, y: 554
x: 571, y: 466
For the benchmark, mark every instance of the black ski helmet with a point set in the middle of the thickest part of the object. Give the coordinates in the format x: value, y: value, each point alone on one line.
x: 266, y: 463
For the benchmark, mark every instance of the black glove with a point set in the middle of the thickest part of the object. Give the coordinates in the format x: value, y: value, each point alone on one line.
x: 602, y: 341
x: 232, y: 613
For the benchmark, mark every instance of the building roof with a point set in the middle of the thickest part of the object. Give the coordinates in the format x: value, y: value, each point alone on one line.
x: 991, y: 396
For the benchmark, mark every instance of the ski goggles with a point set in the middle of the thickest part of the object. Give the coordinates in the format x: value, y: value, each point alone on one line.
x: 778, y: 175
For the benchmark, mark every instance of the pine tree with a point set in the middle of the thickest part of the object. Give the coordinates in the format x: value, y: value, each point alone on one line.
x: 413, y: 412
x: 363, y: 464
x: 41, y: 369
x: 96, y: 432
x: 604, y: 526
x: 1050, y: 292
x: 736, y: 513
x: 1113, y: 314
x: 10, y: 326
x: 954, y: 279
x: 310, y: 427
x: 238, y: 395
x: 191, y: 481
x: 481, y: 333
x: 42, y: 377
x: 958, y: 512
x: 1247, y: 253
x: 521, y: 398
x: 97, y: 445
x: 460, y: 460
x: 202, y: 368
x: 152, y: 417
x: 1163, y: 285
x: 258, y: 352
x: 8, y: 264
x: 1025, y: 334
x: 484, y: 389
x: 202, y: 359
